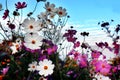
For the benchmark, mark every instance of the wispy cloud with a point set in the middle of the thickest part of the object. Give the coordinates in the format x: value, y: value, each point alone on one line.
x: 96, y: 34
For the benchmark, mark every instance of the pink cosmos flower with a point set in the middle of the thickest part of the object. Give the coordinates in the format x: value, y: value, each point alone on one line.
x: 95, y: 54
x: 82, y: 60
x: 114, y: 69
x: 5, y: 70
x: 103, y: 67
x: 74, y: 53
x: 94, y: 61
x: 20, y: 5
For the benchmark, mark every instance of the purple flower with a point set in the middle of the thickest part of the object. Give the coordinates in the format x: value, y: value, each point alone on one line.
x: 105, y: 44
x: 76, y: 44
x: 101, y: 44
x: 6, y: 13
x: 71, y: 39
x: 52, y: 49
x: 20, y: 5
x: 42, y: 57
x: 70, y: 35
x: 116, y: 47
x: 11, y: 26
x: 84, y: 33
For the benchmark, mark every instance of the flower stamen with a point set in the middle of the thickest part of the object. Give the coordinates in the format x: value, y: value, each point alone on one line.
x: 33, y: 42
x: 45, y: 67
x: 31, y: 26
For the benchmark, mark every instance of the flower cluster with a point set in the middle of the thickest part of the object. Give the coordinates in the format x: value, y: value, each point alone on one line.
x: 30, y: 48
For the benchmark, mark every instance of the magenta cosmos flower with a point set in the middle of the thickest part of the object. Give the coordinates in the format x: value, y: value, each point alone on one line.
x: 103, y: 67
x: 82, y: 60
x: 76, y: 44
x: 20, y: 5
x: 52, y: 49
x: 70, y: 35
x: 6, y: 13
x: 95, y: 54
x: 116, y: 48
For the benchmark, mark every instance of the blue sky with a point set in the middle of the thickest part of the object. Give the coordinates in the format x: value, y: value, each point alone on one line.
x: 85, y: 14
x: 80, y: 10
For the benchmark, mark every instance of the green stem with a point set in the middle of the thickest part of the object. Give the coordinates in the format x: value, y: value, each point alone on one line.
x: 4, y: 31
x: 12, y: 59
x: 29, y: 76
x: 35, y: 7
x: 6, y: 4
x: 58, y: 67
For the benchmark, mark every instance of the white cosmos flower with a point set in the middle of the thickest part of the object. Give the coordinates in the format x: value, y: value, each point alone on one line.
x: 52, y: 15
x: 101, y: 77
x: 33, y: 41
x: 32, y: 66
x: 42, y: 78
x: 50, y: 7
x: 16, y: 46
x: 30, y: 25
x: 43, y: 15
x: 45, y: 67
x: 61, y: 12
